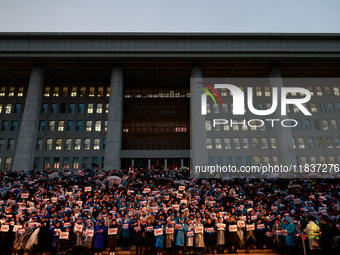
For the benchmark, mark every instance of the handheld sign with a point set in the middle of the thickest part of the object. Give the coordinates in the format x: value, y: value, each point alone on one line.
x: 260, y: 226
x: 64, y: 235
x: 169, y: 231
x: 24, y: 195
x: 158, y: 232
x: 88, y: 189
x: 284, y: 232
x: 240, y: 223
x: 89, y: 232
x: 78, y: 228
x: 190, y: 234
x: 4, y: 228
x: 250, y: 227
x: 210, y: 230
x: 112, y: 231
x: 220, y: 226
x: 198, y: 230
x: 16, y: 228
x: 179, y: 226
x: 233, y: 228
x: 181, y: 188
x: 149, y: 228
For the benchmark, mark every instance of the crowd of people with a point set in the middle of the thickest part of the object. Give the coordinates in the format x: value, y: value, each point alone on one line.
x: 165, y: 212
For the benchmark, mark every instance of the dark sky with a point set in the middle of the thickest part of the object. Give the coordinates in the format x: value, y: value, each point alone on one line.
x: 305, y: 16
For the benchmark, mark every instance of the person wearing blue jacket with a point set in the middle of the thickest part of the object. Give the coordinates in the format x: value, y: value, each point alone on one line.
x: 99, y: 232
x: 289, y: 238
x: 159, y: 239
x: 180, y: 235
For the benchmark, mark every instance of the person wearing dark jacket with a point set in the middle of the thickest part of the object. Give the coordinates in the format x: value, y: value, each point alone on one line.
x: 326, y: 237
x: 149, y: 236
x: 138, y: 231
x: 6, y: 240
x: 112, y: 243
x: 232, y: 236
x: 209, y: 236
x: 43, y: 237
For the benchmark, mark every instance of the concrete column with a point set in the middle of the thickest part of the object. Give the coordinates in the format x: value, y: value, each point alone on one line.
x: 114, y: 121
x: 181, y: 162
x: 198, y: 136
x: 149, y: 164
x: 284, y: 137
x: 165, y: 164
x: 27, y: 138
x: 132, y: 163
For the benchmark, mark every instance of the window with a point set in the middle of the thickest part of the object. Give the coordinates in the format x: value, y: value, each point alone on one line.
x: 336, y: 91
x: 337, y: 142
x: 91, y: 91
x: 275, y: 162
x: 208, y: 108
x: 331, y: 160
x: 257, y: 161
x: 66, y: 163
x: 58, y: 144
x: 226, y: 127
x: 301, y: 142
x: 255, y: 143
x: 8, y: 162
x: 2, y: 91
x: 96, y: 144
x: 4, y: 125
x: 74, y: 92
x: 77, y: 143
x: 334, y: 124
x: 39, y: 145
x: 60, y: 125
x: 14, y: 125
x: 327, y: 91
x: 307, y: 125
x: 10, y: 145
x: 260, y: 106
x: 266, y: 161
x: 313, y: 107
x: 87, y: 144
x: 62, y: 108
x: 2, y: 143
x: 316, y: 124
x: 266, y: 91
x: 44, y: 108
x: 227, y: 143
x: 69, y: 125
x: 329, y: 143
x: 48, y: 144
x: 245, y: 143
x: 264, y: 143
x: 75, y: 164
x: 88, y: 125
x: 47, y: 92
x: 47, y: 163
x: 56, y: 163
x: 51, y: 125
x: 219, y: 161
x: 209, y: 143
x: 298, y: 126
x: 310, y: 142
x: 303, y: 160
x: 322, y: 107
x: 108, y: 92
x: 224, y: 107
x: 313, y: 160
x: 56, y: 91
x: 295, y: 109
x: 208, y: 125
x: 107, y: 108
x: 318, y: 91
x: 258, y: 91
x: 216, y: 108
x: 236, y: 143
x: 294, y: 145
x: 8, y: 108
x: 238, y: 161
x: 104, y: 143
x: 273, y: 142
x: 229, y: 161
x: 330, y: 107
x: 85, y: 162
x: 17, y: 108
x: 99, y: 108
x: 79, y: 126
x: 100, y: 91
x: 320, y: 143
x: 98, y: 125
x: 322, y: 159
x: 53, y: 108
x: 68, y: 144
x: 325, y: 124
x: 83, y: 91
x: 65, y: 91
x: 72, y: 108
x: 81, y: 107
x: 90, y: 108
x: 0, y: 108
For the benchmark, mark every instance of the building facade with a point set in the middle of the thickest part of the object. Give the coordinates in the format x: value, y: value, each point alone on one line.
x: 118, y: 99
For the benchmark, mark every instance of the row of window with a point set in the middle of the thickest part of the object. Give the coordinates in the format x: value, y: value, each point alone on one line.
x: 12, y: 91
x: 75, y: 91
x: 13, y: 127
x: 157, y: 93
x: 323, y: 107
x: 53, y: 125
x: 235, y: 143
x: 73, y: 109
x: 263, y: 125
x: 70, y: 144
x: 247, y: 160
x: 10, y: 144
x: 7, y: 108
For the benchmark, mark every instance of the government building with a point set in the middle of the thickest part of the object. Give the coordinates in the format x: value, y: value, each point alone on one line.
x: 114, y: 100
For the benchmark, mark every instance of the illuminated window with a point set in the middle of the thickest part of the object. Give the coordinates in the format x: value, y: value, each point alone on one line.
x: 90, y: 108
x: 313, y: 160
x: 209, y: 143
x: 318, y: 91
x: 58, y: 144
x: 8, y: 162
x: 83, y: 91
x: 77, y: 144
x: 273, y: 142
x: 100, y: 92
x: 91, y: 92
x: 21, y: 92
x: 223, y: 92
x: 255, y: 143
x: 218, y: 143
x: 225, y: 108
x: 48, y: 144
x: 320, y: 142
x: 311, y: 91
x: 264, y: 143
x: 327, y: 91
x: 108, y: 91
x: 266, y: 161
x: 294, y: 145
x: 336, y: 91
x: 11, y: 92
x: 258, y: 91
x: 208, y: 125
x: 257, y: 161
x: 236, y: 143
x: 74, y: 92
x: 87, y: 144
x: 266, y: 91
x: 0, y: 108
x: 51, y: 125
x: 60, y: 125
x: 105, y: 125
x: 275, y: 162
x: 322, y: 159
x: 325, y: 124
x: 301, y: 142
x: 107, y: 108
x: 88, y: 125
x: 2, y: 91
x: 96, y: 144
x: 56, y: 91
x: 99, y: 108
x: 329, y: 143
x: 75, y: 164
x: 216, y: 108
x: 98, y: 125
x: 65, y: 91
x: 245, y: 143
x: 56, y: 163
x: 68, y: 144
x: 8, y: 108
x: 331, y: 160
